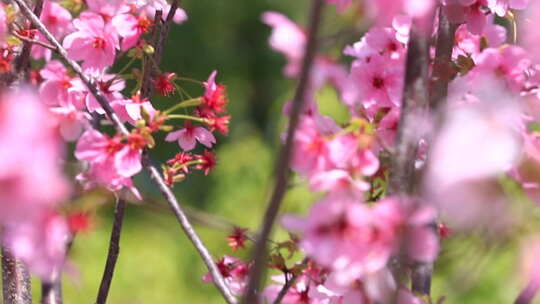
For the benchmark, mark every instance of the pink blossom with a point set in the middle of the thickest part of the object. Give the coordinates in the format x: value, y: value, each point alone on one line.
x: 531, y: 38
x: 188, y: 136
x: 110, y: 85
x: 30, y: 152
x: 311, y: 150
x: 470, y: 11
x: 351, y: 239
x: 131, y: 110
x: 508, y: 64
x: 58, y: 21
x: 383, y: 11
x: 70, y: 121
x: 234, y: 271
x: 286, y: 38
x: 41, y: 244
x: 376, y: 84
x: 107, y: 8
x: 151, y: 6
x: 130, y: 28
x: 469, y: 44
x: 500, y: 7
x: 54, y: 90
x: 93, y: 42
x: 111, y: 162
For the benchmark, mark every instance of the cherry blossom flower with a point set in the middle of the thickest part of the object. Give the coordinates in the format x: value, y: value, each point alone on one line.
x: 58, y: 21
x: 376, y: 84
x: 94, y: 42
x: 29, y: 157
x: 130, y: 28
x: 235, y: 273
x: 41, y: 244
x: 164, y: 84
x: 207, y: 162
x: 215, y: 96
x: 286, y: 38
x: 500, y: 7
x: 111, y: 162
x: 54, y: 90
x: 311, y: 149
x: 151, y: 6
x: 188, y: 136
x: 131, y: 110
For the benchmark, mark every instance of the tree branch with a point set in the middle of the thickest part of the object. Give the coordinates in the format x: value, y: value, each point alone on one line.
x: 15, y: 280
x: 527, y: 295
x: 154, y: 173
x: 22, y: 64
x: 282, y: 165
x: 114, y: 250
x: 51, y: 293
x: 290, y: 283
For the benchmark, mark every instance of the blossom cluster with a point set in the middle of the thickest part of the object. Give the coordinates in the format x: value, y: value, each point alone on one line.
x: 486, y: 132
x: 55, y: 106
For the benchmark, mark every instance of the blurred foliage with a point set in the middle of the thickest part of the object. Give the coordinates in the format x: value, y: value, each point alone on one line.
x: 157, y: 263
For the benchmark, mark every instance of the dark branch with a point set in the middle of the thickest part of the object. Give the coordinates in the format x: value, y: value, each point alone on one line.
x: 290, y: 283
x: 282, y: 166
x: 15, y: 280
x: 22, y: 63
x: 527, y: 295
x: 114, y: 250
x: 51, y: 293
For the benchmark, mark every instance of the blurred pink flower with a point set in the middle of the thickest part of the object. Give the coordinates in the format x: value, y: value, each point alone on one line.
x: 30, y: 152
x: 41, y: 244
x: 287, y: 38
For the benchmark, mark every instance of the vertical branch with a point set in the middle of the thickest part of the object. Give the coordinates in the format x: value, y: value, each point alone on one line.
x: 282, y: 165
x: 15, y: 279
x: 159, y: 37
x: 114, y: 250
x: 420, y: 97
x: 527, y: 295
x: 51, y: 292
x: 414, y: 103
x: 22, y: 63
x: 442, y: 68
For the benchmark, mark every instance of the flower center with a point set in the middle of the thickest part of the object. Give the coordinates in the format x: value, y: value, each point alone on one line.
x: 99, y: 43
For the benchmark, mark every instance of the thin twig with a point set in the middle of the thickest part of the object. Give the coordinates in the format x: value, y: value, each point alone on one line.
x: 290, y: 283
x: 154, y: 173
x: 114, y: 250
x: 15, y: 280
x: 282, y: 165
x: 527, y: 295
x: 40, y: 43
x: 438, y: 92
x: 159, y: 37
x: 190, y: 231
x: 22, y: 64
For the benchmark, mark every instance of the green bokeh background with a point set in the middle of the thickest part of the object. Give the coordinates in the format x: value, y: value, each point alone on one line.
x: 157, y: 264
